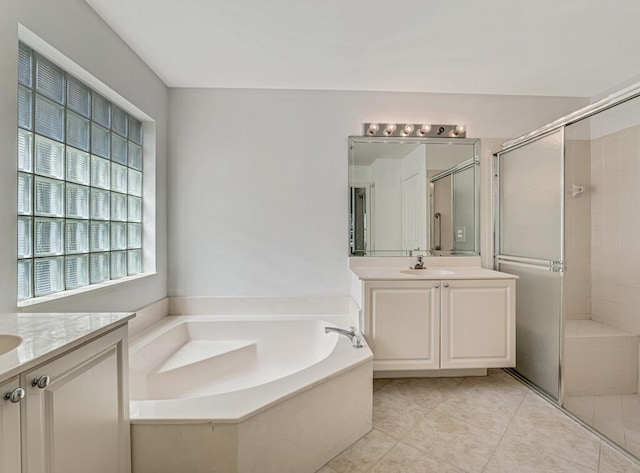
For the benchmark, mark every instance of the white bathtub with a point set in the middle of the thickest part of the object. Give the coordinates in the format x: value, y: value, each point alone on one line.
x: 246, y: 394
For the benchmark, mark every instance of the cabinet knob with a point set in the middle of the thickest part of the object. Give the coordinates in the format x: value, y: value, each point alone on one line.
x: 41, y: 381
x: 446, y: 284
x: 15, y: 396
x: 437, y: 286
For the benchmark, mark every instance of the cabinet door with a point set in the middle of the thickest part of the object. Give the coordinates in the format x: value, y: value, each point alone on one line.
x: 78, y: 421
x: 9, y: 430
x: 402, y: 324
x: 478, y: 324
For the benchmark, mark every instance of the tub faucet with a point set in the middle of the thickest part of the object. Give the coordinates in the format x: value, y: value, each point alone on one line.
x: 419, y: 264
x: 355, y: 337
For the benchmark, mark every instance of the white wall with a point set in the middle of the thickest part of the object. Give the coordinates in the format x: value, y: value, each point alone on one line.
x: 258, y: 179
x: 75, y: 30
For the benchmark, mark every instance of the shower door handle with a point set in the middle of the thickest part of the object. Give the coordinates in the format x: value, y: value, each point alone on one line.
x: 438, y: 230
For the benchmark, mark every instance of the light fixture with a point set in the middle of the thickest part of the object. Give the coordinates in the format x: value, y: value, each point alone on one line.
x: 407, y: 129
x: 424, y: 130
x: 419, y: 130
x: 459, y: 129
x: 373, y: 129
x: 389, y: 129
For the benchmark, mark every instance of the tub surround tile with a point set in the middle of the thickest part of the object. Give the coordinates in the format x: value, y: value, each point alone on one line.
x: 259, y: 305
x: 149, y: 315
x: 449, y: 439
x: 362, y: 455
x: 406, y: 459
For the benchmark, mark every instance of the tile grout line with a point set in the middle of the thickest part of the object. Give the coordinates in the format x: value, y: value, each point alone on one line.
x: 505, y: 430
x: 599, y: 456
x: 370, y: 470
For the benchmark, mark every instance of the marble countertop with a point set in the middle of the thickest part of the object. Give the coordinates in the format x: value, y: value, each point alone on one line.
x: 47, y: 335
x: 378, y: 273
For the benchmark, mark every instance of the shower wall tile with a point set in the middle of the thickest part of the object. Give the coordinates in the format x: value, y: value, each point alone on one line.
x: 577, y: 280
x: 615, y: 228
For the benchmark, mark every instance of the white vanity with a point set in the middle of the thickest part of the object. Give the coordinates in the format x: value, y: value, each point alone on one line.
x: 453, y: 315
x: 63, y: 382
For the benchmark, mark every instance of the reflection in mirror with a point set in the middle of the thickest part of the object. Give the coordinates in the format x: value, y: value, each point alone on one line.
x: 413, y: 195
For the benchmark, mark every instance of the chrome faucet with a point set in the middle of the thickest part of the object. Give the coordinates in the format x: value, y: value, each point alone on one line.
x: 355, y: 337
x: 419, y: 264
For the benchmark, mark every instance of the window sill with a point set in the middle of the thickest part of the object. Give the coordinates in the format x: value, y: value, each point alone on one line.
x: 61, y: 295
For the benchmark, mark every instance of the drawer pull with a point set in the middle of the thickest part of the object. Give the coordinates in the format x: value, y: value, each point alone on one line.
x: 446, y: 284
x: 15, y: 396
x: 437, y: 286
x: 41, y: 381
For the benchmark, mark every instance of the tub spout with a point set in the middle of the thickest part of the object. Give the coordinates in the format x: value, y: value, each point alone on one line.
x: 354, y: 336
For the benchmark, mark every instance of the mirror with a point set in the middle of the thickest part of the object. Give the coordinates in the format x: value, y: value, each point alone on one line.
x: 414, y: 196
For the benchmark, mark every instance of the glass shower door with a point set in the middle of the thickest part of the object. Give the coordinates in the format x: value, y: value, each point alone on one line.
x: 530, y: 245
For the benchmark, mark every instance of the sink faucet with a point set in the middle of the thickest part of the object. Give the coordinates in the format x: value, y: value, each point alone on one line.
x: 419, y: 264
x: 355, y: 337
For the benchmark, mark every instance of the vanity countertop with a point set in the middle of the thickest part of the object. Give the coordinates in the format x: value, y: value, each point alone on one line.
x: 384, y: 273
x: 47, y: 335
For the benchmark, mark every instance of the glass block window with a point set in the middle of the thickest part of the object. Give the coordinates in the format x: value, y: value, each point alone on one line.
x: 79, y: 183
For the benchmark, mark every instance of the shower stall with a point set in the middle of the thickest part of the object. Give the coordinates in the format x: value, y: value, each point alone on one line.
x: 567, y: 206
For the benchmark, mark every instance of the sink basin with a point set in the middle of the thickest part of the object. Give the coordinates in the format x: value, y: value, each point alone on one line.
x: 8, y: 342
x: 427, y: 272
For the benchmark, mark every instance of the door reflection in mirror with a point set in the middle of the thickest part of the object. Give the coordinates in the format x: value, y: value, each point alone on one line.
x: 398, y: 185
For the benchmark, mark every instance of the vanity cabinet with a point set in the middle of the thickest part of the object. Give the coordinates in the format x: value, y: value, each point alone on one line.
x: 440, y: 324
x: 402, y: 324
x: 9, y: 428
x: 74, y: 416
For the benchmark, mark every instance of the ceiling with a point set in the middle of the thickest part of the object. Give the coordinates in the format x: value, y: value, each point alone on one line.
x: 542, y: 47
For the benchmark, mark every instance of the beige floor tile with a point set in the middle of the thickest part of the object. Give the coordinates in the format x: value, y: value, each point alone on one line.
x: 425, y: 392
x: 512, y: 457
x: 378, y: 383
x: 612, y: 461
x: 452, y: 440
x: 326, y: 469
x: 363, y: 454
x: 406, y: 459
x: 482, y: 407
x: 544, y: 428
x: 395, y: 416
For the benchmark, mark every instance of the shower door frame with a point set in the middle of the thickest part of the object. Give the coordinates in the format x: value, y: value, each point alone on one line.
x: 612, y: 100
x: 557, y: 266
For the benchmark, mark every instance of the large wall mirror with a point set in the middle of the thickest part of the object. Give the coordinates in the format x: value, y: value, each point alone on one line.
x: 414, y: 196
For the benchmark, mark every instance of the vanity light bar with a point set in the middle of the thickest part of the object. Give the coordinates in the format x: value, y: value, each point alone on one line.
x: 419, y: 130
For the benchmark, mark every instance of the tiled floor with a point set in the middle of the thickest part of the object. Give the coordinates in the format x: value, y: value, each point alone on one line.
x: 616, y: 416
x: 491, y: 424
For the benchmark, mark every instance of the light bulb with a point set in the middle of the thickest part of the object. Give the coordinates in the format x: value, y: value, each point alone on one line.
x: 424, y: 130
x: 407, y: 129
x: 389, y: 129
x: 373, y: 128
x: 459, y: 129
